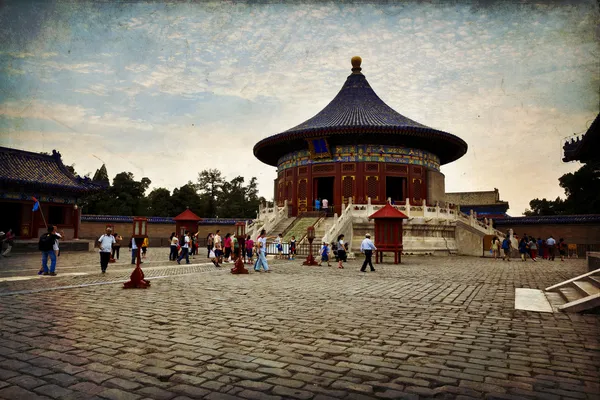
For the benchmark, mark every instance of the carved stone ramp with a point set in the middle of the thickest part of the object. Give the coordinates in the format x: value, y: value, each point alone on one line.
x: 579, y: 294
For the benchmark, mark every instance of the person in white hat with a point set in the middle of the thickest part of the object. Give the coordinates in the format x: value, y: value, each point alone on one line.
x: 367, y: 247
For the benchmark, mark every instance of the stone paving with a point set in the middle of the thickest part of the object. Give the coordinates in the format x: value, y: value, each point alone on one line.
x: 431, y: 327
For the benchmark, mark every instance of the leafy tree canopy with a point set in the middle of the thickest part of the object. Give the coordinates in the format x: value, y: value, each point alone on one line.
x: 582, y: 189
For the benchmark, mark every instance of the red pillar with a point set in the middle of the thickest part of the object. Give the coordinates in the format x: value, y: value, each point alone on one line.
x: 77, y: 216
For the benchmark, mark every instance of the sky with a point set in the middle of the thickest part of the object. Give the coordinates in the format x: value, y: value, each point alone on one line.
x: 168, y: 89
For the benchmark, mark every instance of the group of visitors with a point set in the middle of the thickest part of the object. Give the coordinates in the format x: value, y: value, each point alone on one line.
x: 337, y: 248
x: 528, y: 246
x: 321, y: 204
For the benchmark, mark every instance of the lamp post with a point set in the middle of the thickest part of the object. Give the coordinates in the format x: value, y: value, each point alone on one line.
x: 310, y: 235
x: 136, y: 280
x: 240, y: 234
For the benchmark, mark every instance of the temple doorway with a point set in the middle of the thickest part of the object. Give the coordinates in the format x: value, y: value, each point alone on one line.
x: 323, y: 189
x: 10, y: 217
x: 395, y: 188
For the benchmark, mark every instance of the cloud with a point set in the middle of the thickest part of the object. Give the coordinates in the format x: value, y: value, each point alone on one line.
x: 220, y: 77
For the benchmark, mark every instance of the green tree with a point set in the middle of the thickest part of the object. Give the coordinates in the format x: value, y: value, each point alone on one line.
x: 582, y: 189
x: 101, y: 176
x: 126, y: 196
x: 187, y: 196
x: 160, y: 203
x: 210, y: 185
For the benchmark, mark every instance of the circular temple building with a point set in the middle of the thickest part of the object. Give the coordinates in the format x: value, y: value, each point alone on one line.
x: 357, y: 148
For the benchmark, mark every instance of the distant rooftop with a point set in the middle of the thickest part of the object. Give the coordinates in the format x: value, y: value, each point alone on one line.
x: 19, y: 167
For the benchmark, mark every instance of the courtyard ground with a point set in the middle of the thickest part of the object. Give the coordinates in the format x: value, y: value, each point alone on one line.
x: 431, y: 327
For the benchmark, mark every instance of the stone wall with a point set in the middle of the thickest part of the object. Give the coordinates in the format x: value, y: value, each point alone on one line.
x: 477, y: 198
x: 436, y: 187
x: 468, y: 240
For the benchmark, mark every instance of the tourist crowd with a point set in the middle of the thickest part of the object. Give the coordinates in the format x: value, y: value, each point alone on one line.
x: 529, y: 247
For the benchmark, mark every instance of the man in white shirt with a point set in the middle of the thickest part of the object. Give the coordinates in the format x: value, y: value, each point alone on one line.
x: 551, y: 248
x: 218, y: 243
x: 185, y: 248
x: 367, y: 247
x: 325, y: 204
x: 106, y: 241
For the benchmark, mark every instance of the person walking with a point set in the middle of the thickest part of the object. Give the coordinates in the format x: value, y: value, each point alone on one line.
x: 317, y: 205
x: 116, y: 247
x: 496, y: 247
x: 324, y: 254
x: 193, y: 241
x: 533, y: 249
x: 262, y: 253
x: 106, y: 245
x: 341, y: 253
x: 134, y: 248
x: 210, y: 239
x: 279, y: 245
x: 227, y: 246
x: 173, y: 241
x: 249, y: 249
x: 325, y: 204
x: 562, y: 248
x: 292, y: 254
x: 9, y: 238
x: 367, y: 246
x: 551, y: 244
x: 46, y: 246
x: 523, y: 247
x: 506, y: 246
x: 145, y: 244
x: 185, y: 249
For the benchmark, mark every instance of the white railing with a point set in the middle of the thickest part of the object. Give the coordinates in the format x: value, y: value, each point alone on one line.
x: 268, y: 218
x: 431, y: 214
x: 341, y: 224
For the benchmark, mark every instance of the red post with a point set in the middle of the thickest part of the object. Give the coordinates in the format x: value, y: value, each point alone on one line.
x: 77, y: 212
x: 310, y: 235
x: 136, y: 280
x: 238, y: 267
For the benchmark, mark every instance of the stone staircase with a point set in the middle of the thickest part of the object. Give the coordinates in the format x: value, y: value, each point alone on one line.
x: 579, y: 294
x: 282, y: 226
x: 298, y: 229
x: 323, y: 227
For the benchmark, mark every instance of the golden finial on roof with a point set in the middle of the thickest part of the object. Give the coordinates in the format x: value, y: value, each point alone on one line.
x: 356, y: 60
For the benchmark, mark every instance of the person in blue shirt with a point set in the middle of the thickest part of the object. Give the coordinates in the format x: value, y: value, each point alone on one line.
x: 317, y: 204
x: 506, y: 248
x: 324, y: 254
x: 523, y: 247
x: 367, y: 247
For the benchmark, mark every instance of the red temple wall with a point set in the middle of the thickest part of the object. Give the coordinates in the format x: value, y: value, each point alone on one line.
x: 358, y: 180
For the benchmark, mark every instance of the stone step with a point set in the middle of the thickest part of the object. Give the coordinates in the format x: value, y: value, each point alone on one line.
x: 570, y: 294
x: 583, y: 304
x: 586, y: 288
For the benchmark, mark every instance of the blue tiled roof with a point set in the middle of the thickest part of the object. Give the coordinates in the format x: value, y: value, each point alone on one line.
x: 358, y: 110
x: 551, y: 219
x: 160, y: 220
x: 44, y: 171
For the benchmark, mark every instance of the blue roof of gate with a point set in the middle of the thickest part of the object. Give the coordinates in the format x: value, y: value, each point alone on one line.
x: 45, y: 171
x: 358, y: 109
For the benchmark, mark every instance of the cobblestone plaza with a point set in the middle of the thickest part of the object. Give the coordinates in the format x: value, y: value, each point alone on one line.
x: 432, y: 327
